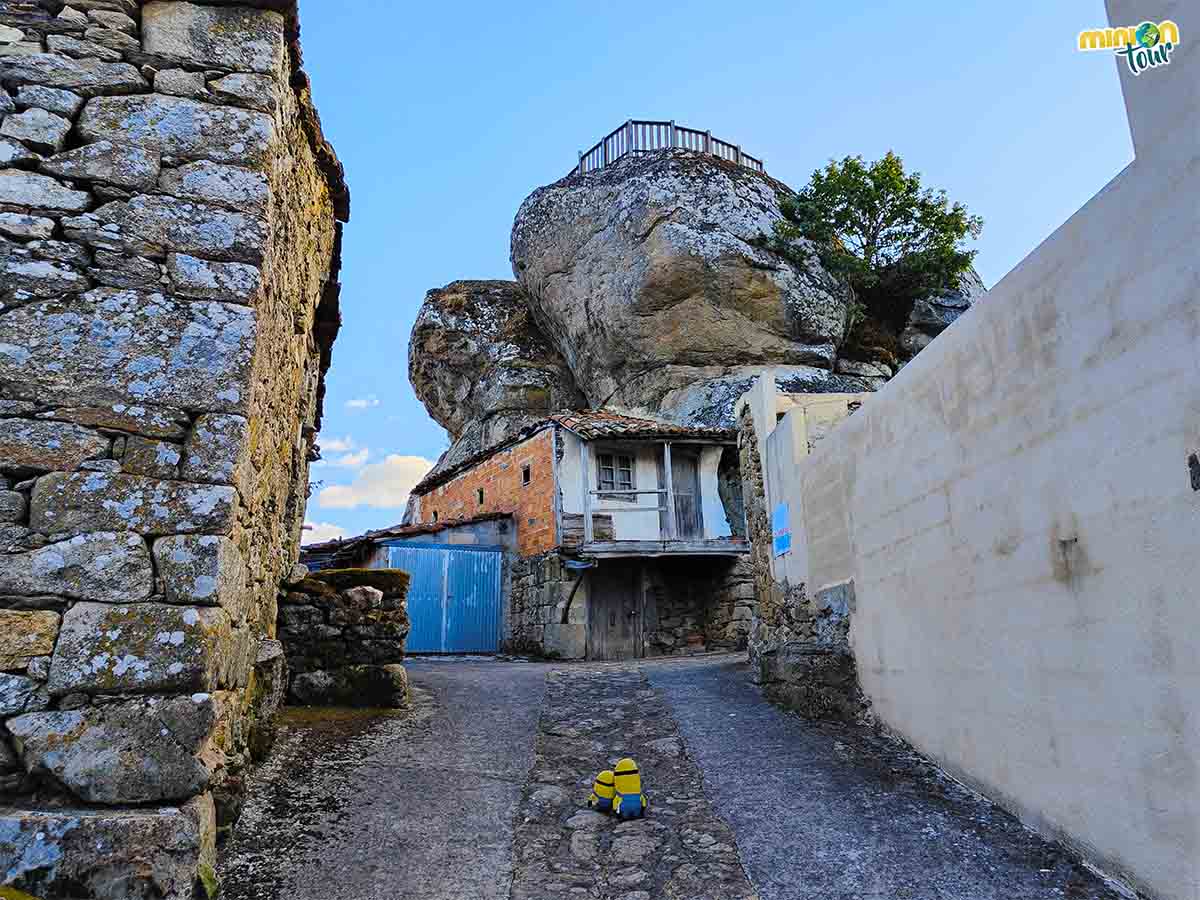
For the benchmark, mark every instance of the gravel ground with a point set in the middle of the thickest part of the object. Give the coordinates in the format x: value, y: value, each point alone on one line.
x: 841, y: 813
x: 382, y: 807
x: 478, y: 794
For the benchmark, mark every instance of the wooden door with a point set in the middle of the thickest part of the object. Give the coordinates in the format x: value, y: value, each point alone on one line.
x: 685, y: 481
x: 614, y: 611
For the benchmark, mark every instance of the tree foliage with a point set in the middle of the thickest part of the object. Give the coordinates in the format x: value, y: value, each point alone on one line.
x: 875, y: 225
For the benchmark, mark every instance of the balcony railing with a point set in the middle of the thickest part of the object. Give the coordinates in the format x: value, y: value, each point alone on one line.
x: 645, y: 136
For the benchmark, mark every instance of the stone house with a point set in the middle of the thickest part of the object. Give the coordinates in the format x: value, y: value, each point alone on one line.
x: 620, y: 537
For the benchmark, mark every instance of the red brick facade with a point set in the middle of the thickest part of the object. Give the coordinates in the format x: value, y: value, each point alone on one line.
x: 501, y: 480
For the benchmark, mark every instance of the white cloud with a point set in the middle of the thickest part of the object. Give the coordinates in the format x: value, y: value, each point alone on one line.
x: 353, y: 460
x: 337, y: 445
x: 319, y: 532
x: 382, y: 485
x: 367, y: 402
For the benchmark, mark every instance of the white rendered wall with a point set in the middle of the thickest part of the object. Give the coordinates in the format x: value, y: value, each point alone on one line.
x: 1016, y: 511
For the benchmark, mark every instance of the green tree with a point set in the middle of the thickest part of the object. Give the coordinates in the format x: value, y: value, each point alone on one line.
x: 876, y: 226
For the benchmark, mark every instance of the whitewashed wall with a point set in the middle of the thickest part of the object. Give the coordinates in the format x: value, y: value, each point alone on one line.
x: 641, y: 525
x: 1016, y: 511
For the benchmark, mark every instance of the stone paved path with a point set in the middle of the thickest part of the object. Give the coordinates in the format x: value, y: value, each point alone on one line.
x: 478, y: 795
x: 681, y: 849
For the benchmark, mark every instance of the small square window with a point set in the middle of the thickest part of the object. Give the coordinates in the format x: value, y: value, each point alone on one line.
x: 526, y: 474
x: 479, y: 496
x: 615, y: 474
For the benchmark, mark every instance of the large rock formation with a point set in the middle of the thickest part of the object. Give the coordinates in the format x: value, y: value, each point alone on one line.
x: 482, y: 367
x: 169, y: 247
x: 645, y: 287
x: 933, y: 315
x: 649, y: 279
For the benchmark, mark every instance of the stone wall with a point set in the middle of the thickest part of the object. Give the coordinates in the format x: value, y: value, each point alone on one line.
x: 169, y: 252
x: 690, y: 605
x: 539, y: 586
x: 343, y: 632
x: 798, y: 644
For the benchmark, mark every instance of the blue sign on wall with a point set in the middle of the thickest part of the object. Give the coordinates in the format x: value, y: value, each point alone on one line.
x: 781, y: 532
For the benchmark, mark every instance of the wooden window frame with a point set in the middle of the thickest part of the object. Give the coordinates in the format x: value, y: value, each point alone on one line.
x: 614, y: 488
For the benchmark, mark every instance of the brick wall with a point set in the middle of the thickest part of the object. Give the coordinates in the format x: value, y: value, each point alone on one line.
x: 499, y: 477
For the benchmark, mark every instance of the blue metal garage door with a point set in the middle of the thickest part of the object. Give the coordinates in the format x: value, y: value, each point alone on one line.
x: 453, y: 599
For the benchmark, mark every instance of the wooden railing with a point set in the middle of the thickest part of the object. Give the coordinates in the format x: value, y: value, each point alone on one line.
x: 645, y: 136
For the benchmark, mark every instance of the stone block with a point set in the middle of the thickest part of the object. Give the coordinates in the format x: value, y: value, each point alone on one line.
x: 102, y: 566
x: 19, y: 694
x: 26, y: 634
x: 142, y: 648
x: 20, y: 225
x: 217, y: 450
x: 14, y: 153
x: 107, y: 346
x: 181, y: 83
x: 203, y: 570
x: 127, y: 272
x: 24, y: 278
x: 254, y: 91
x: 155, y: 225
x: 83, y: 76
x: 268, y: 689
x: 207, y: 280
x: 152, y: 458
x: 60, y: 102
x: 113, y: 20
x: 163, y: 422
x: 37, y: 129
x: 108, y: 854
x: 13, y: 507
x: 65, y: 503
x: 40, y: 192
x: 249, y: 40
x: 123, y: 165
x: 179, y: 127
x: 231, y: 187
x: 360, y: 686
x: 79, y: 48
x: 29, y: 445
x: 39, y: 668
x: 113, y: 40
x: 134, y: 751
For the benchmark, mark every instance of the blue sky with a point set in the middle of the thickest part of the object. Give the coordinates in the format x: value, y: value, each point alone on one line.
x: 447, y: 115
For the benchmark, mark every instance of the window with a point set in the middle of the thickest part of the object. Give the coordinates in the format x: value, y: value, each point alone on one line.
x: 435, y: 517
x: 615, y: 474
x: 526, y: 475
x: 479, y: 496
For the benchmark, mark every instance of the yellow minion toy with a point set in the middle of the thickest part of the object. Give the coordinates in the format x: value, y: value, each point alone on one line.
x: 628, y: 800
x: 601, y: 799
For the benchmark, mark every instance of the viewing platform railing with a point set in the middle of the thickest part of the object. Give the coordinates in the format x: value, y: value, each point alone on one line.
x: 644, y: 135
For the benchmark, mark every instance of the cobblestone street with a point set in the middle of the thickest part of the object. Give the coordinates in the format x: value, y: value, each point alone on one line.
x: 480, y: 793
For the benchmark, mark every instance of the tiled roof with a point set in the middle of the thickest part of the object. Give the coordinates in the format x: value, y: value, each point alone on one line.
x: 600, y: 423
